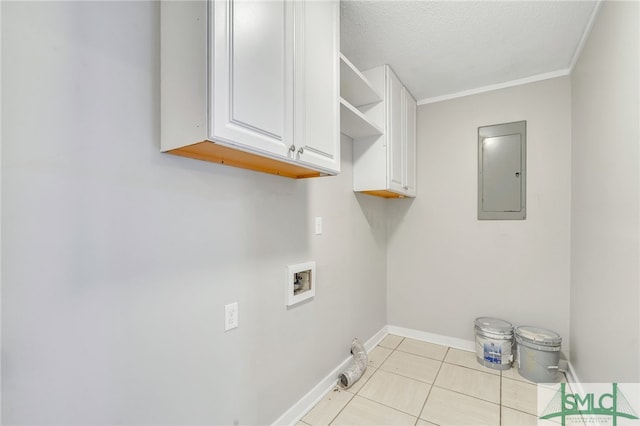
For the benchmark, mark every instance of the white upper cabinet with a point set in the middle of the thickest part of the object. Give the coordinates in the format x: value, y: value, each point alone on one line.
x: 395, y: 129
x: 252, y: 75
x: 252, y: 84
x: 385, y: 165
x: 317, y: 109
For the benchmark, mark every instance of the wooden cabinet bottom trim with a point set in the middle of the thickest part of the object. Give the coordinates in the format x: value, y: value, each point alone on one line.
x: 216, y: 153
x: 383, y: 193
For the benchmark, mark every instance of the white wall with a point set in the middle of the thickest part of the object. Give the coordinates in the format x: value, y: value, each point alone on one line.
x: 445, y: 267
x: 605, y: 248
x: 117, y: 259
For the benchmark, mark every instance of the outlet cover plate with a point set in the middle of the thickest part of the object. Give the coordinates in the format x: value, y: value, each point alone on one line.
x: 230, y: 316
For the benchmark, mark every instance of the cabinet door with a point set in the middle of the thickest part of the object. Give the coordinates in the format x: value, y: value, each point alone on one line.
x: 410, y: 110
x: 395, y: 144
x: 316, y: 115
x: 252, y: 74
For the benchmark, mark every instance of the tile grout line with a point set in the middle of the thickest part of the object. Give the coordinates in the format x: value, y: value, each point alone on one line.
x: 373, y: 400
x: 353, y: 395
x: 400, y: 375
x: 474, y: 396
x: 413, y: 354
x: 391, y: 372
x: 442, y: 362
x: 472, y: 369
x: 388, y: 406
x: 445, y: 361
x: 521, y: 411
x: 432, y: 386
x: 467, y: 395
x: 407, y: 377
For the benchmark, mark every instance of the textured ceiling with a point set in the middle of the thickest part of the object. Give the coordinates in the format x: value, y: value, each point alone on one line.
x: 440, y: 49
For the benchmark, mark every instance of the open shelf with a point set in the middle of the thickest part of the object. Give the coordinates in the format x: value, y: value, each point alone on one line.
x: 354, y: 123
x: 357, y: 96
x: 354, y: 86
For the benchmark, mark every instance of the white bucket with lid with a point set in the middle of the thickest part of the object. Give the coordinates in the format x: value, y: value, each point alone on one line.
x: 494, y: 343
x: 538, y: 353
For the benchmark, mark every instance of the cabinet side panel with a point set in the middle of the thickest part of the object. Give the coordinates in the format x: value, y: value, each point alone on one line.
x: 411, y: 149
x: 183, y: 86
x: 394, y: 131
x: 369, y: 163
x: 370, y: 154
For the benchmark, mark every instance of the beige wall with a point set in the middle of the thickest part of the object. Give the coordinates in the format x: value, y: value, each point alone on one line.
x: 605, y: 254
x: 446, y: 267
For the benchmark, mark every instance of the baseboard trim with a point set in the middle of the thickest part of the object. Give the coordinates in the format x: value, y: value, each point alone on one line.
x: 375, y: 339
x: 307, y: 402
x: 439, y: 339
x: 572, y: 378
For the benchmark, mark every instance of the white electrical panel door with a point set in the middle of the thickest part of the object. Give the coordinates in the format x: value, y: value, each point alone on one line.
x: 501, y: 171
x: 253, y: 74
x: 501, y: 166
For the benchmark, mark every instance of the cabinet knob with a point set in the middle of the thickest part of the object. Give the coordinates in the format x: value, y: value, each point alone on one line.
x: 292, y: 148
x: 301, y: 150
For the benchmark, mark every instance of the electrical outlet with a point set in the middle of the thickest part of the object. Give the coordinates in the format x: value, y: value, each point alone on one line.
x: 318, y: 225
x: 230, y: 316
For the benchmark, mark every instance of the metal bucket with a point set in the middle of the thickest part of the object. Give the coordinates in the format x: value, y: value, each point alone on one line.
x: 494, y: 343
x: 538, y: 353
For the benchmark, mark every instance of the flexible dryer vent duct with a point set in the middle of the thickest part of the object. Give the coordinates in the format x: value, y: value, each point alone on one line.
x: 352, y: 374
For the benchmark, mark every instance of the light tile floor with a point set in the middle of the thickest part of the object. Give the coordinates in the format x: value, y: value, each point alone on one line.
x: 410, y: 382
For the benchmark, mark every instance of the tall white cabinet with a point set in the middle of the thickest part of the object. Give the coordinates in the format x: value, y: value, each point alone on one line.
x: 385, y: 165
x: 252, y: 84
